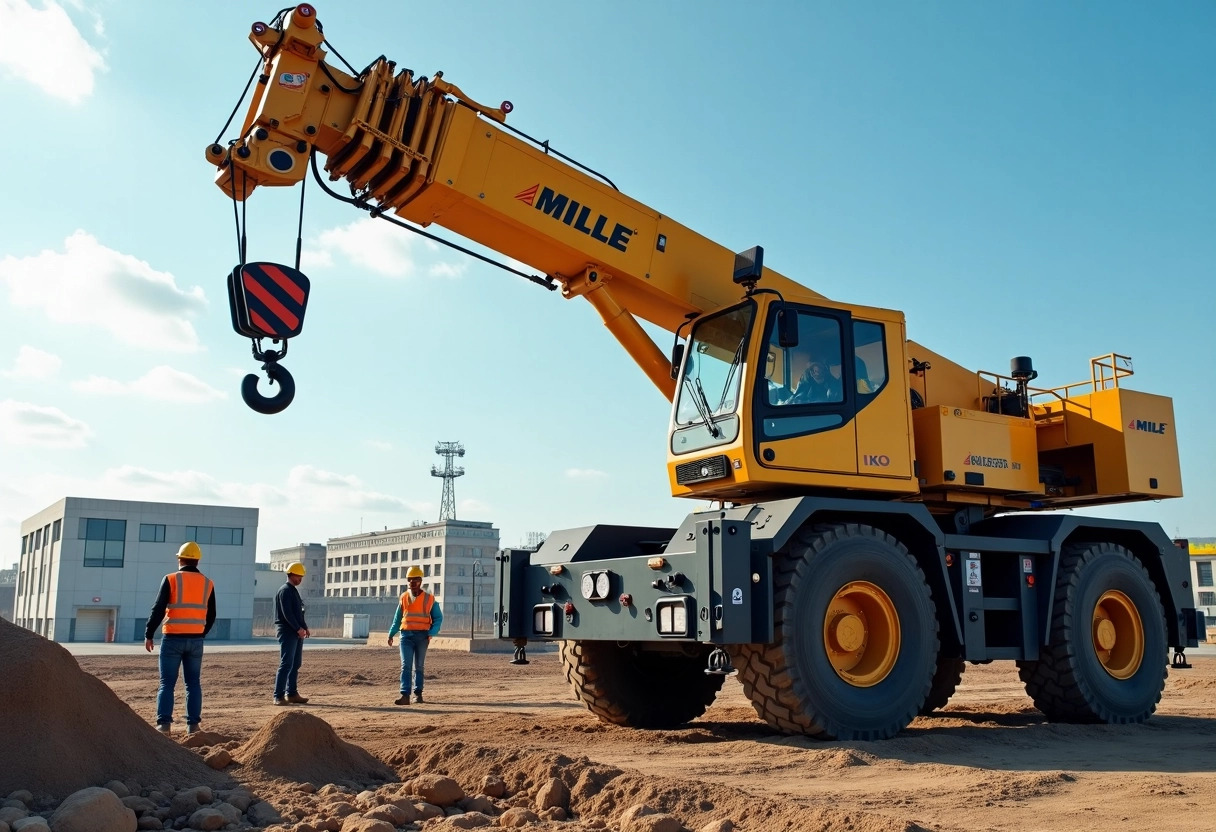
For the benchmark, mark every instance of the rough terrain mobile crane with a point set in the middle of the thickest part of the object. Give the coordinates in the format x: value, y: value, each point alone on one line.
x: 871, y: 540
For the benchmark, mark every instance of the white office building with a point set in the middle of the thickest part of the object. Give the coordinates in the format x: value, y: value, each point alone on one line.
x: 90, y: 569
x: 456, y: 558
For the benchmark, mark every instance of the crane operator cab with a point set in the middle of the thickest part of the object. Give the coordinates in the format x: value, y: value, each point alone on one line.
x: 782, y: 395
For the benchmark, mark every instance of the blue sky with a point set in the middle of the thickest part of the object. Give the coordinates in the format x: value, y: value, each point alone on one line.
x: 1020, y: 179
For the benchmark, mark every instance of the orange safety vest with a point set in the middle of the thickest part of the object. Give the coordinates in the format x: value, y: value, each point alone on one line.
x: 189, y: 593
x: 416, y: 612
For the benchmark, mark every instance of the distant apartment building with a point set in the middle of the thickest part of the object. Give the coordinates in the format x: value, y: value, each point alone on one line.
x: 312, y: 555
x: 90, y: 569
x: 1203, y: 556
x: 8, y: 592
x: 456, y: 558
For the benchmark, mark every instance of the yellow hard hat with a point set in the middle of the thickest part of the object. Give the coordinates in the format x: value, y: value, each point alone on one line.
x: 189, y: 551
x: 414, y: 572
x: 296, y: 568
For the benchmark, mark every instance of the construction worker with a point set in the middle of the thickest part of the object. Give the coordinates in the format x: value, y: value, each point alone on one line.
x: 292, y: 629
x: 422, y: 619
x: 186, y: 605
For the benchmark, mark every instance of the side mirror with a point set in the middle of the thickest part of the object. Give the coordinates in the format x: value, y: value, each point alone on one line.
x: 677, y: 356
x: 787, y: 327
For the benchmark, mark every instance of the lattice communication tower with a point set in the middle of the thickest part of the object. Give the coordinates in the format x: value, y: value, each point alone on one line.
x: 449, y: 473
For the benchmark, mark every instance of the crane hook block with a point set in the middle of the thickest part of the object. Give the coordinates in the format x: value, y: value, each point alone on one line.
x: 267, y: 300
x: 269, y: 404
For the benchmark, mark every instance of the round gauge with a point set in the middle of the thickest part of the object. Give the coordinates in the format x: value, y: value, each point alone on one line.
x: 602, y: 585
x: 588, y: 585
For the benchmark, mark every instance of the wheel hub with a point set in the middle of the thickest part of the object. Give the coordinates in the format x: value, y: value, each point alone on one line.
x: 1118, y: 634
x: 861, y: 633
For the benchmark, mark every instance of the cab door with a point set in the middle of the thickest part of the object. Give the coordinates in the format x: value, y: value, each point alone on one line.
x: 805, y: 400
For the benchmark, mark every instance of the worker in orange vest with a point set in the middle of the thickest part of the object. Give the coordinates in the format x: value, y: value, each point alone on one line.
x: 418, y: 618
x: 186, y: 605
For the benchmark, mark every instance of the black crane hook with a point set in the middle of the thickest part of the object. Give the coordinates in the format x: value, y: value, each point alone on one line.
x: 267, y: 300
x: 269, y: 404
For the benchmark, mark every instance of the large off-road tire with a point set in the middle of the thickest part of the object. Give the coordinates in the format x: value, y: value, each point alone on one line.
x: 855, y: 637
x: 624, y: 685
x: 946, y: 679
x: 1107, y: 658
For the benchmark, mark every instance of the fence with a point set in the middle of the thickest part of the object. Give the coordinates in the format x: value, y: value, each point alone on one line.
x: 326, y: 617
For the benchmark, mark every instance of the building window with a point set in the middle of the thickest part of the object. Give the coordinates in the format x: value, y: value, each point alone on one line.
x: 438, y: 551
x: 104, y: 541
x: 1207, y: 599
x: 1204, y: 573
x: 384, y: 574
x: 394, y: 556
x: 436, y: 592
x: 151, y: 533
x: 426, y: 552
x: 438, y: 567
x: 55, y: 531
x: 375, y: 557
x: 460, y: 570
x: 426, y: 570
x: 394, y: 576
x: 38, y: 539
x: 215, y: 536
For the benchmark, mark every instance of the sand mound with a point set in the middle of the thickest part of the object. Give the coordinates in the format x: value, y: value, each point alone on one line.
x: 301, y: 747
x: 604, y: 792
x: 64, y: 730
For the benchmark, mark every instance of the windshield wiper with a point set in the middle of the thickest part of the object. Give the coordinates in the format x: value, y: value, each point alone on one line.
x: 735, y: 363
x: 702, y: 403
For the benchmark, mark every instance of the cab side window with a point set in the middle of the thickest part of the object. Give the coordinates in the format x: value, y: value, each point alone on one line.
x: 809, y: 373
x: 869, y: 359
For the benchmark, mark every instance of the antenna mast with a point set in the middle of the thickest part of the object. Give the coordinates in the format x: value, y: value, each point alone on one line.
x: 448, y: 450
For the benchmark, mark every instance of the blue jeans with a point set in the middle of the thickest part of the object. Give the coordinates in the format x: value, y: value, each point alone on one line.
x: 186, y: 653
x: 291, y: 653
x: 413, y: 646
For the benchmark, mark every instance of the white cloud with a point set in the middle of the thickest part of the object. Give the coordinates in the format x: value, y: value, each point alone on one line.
x: 375, y: 245
x: 88, y: 283
x: 378, y: 444
x: 44, y: 47
x: 585, y: 474
x: 33, y: 363
x: 327, y: 490
x: 311, y: 504
x: 23, y: 423
x: 162, y: 383
x: 449, y: 270
x: 472, y: 508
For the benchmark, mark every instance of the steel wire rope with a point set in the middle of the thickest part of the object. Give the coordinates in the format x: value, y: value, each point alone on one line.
x: 378, y: 212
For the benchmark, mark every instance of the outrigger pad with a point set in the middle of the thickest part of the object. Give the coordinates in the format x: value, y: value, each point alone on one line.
x: 267, y: 300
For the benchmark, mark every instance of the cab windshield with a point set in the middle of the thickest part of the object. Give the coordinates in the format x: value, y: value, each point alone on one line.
x: 713, y: 372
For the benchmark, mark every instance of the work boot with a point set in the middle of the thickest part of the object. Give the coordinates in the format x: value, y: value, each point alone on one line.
x: 163, y: 727
x: 296, y: 699
x: 418, y: 698
x: 403, y: 699
x: 278, y: 700
x: 192, y: 728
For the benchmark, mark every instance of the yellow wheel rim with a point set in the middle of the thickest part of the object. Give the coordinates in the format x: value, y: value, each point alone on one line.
x: 861, y: 634
x: 1118, y: 634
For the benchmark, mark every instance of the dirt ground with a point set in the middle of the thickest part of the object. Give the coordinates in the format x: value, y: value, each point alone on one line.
x: 990, y: 762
